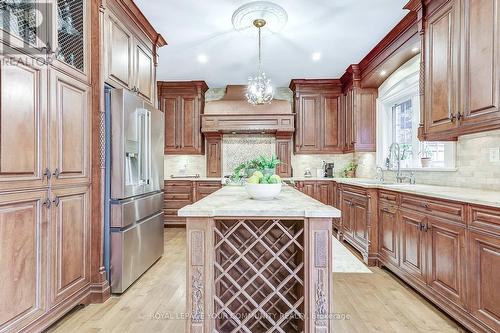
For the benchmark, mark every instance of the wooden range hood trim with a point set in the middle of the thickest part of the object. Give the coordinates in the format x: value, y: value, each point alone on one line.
x: 248, y: 123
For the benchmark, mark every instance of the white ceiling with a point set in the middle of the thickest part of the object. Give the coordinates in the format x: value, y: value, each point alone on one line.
x: 344, y: 31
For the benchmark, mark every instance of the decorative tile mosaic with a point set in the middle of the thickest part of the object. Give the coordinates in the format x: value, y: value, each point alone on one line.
x: 238, y: 148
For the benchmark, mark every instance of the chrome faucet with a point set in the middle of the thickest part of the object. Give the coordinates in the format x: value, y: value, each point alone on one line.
x: 399, y: 178
x: 380, y: 174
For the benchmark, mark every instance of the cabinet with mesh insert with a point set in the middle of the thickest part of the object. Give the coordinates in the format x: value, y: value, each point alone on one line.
x: 71, y: 33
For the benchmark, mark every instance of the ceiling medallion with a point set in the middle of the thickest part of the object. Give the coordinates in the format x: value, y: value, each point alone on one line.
x: 274, y: 16
x: 259, y: 89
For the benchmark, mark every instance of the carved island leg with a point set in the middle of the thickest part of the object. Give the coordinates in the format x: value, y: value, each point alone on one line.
x: 199, y: 275
x: 318, y: 268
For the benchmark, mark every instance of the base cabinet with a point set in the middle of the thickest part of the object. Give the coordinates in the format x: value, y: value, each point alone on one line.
x: 180, y: 193
x: 322, y: 191
x: 412, y: 244
x: 451, y: 257
x: 446, y: 260
x: 388, y: 233
x: 484, y: 277
x: 23, y: 259
x: 70, y: 230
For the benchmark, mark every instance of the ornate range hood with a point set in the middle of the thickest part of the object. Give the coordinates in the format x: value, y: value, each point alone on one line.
x: 233, y: 114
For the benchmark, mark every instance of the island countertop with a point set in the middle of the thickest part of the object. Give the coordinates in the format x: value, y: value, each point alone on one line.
x: 233, y: 201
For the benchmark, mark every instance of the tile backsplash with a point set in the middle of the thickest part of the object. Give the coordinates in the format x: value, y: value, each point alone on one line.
x: 302, y: 162
x: 473, y: 167
x: 179, y: 165
x: 239, y: 148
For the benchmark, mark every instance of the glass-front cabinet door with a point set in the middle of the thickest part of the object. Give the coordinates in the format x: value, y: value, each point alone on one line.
x: 71, y: 35
x: 24, y: 27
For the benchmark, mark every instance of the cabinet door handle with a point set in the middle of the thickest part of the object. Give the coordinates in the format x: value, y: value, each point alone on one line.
x: 426, y: 206
x: 452, y: 117
x: 46, y: 203
x: 57, y: 173
x: 56, y: 201
x: 47, y: 173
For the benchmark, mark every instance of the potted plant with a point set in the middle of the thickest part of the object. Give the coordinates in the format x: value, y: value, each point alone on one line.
x: 425, y: 157
x: 350, y: 170
x: 251, y: 166
x: 268, y: 165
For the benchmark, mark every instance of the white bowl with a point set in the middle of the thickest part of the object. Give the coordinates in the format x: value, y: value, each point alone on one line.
x: 263, y: 191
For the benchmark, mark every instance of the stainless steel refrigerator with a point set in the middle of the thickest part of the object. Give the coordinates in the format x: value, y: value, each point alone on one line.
x: 134, y: 174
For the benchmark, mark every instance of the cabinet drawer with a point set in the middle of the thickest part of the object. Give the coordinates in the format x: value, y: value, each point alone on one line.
x: 448, y: 210
x: 174, y: 196
x: 487, y: 219
x: 388, y: 197
x: 170, y: 211
x: 178, y: 188
x: 176, y: 204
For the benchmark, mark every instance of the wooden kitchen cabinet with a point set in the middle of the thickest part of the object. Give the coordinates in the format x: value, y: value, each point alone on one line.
x: 70, y: 232
x: 69, y: 130
x: 412, y: 244
x: 360, y: 219
x: 23, y: 259
x: 446, y: 256
x: 484, y: 278
x: 318, y: 109
x: 71, y: 38
x: 388, y: 233
x: 359, y: 113
x: 180, y: 193
x: 480, y: 65
x: 23, y: 126
x: 119, y: 52
x: 462, y: 58
x: 319, y: 190
x: 359, y: 226
x: 183, y: 104
x: 129, y: 55
x: 442, y: 42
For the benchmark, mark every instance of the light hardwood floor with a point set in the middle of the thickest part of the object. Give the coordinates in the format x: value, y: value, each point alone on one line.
x: 376, y: 302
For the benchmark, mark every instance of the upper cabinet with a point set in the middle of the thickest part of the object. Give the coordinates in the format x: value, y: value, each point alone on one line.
x: 318, y: 110
x: 461, y: 68
x: 183, y: 104
x: 359, y: 107
x: 71, y: 37
x: 130, y: 51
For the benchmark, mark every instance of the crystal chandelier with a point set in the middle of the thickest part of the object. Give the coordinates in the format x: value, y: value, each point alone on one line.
x: 259, y: 90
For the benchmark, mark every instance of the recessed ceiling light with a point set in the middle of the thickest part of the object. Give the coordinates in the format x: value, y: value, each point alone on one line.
x: 316, y: 56
x: 383, y: 73
x: 202, y: 58
x: 415, y: 49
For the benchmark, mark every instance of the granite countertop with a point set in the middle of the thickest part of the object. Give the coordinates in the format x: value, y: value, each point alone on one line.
x: 462, y: 194
x: 203, y: 179
x: 233, y: 201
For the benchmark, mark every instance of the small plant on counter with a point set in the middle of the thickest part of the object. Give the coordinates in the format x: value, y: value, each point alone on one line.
x: 426, y: 156
x: 263, y: 164
x: 350, y: 170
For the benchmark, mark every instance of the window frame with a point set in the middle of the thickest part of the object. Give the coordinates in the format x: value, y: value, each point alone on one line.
x: 401, y: 86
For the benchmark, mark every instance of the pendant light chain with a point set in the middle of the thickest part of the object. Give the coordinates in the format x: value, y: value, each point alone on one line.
x: 259, y: 89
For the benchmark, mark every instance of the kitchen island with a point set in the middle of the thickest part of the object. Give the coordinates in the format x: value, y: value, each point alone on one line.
x: 259, y: 266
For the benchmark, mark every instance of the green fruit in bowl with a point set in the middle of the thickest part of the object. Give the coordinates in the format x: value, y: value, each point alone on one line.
x: 253, y: 180
x: 258, y: 174
x: 275, y: 179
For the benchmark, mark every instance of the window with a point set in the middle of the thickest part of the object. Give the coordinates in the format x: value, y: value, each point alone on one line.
x: 398, y: 119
